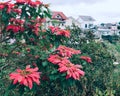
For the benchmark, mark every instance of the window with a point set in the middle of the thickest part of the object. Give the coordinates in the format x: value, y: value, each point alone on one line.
x: 90, y: 25
x: 58, y: 16
x: 62, y: 24
x: 85, y: 25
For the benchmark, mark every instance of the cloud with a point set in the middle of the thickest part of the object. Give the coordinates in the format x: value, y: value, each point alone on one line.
x: 101, y: 10
x: 71, y: 2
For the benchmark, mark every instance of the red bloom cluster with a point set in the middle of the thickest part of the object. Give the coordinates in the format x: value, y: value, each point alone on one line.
x: 66, y: 51
x: 10, y: 6
x: 30, y: 2
x: 21, y: 1
x: 18, y: 11
x: 7, y: 5
x: 55, y: 59
x: 1, y: 6
x: 17, y: 21
x: 26, y: 77
x: 86, y: 58
x: 14, y: 28
x: 16, y: 25
x: 71, y: 69
x: 35, y: 24
x: 61, y: 59
x: 59, y: 31
x: 53, y: 29
x: 34, y: 4
x: 65, y: 33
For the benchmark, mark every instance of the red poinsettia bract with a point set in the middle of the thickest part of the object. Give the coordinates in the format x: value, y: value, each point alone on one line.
x: 18, y: 11
x: 30, y: 2
x: 65, y: 33
x: 86, y: 58
x: 53, y: 29
x: 34, y: 3
x: 55, y: 59
x: 58, y: 31
x: 66, y: 51
x: 20, y: 1
x: 1, y: 6
x: 26, y: 77
x: 73, y: 71
x: 15, y: 28
x: 9, y: 6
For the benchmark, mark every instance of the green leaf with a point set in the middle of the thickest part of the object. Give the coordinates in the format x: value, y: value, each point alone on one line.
x: 54, y: 71
x: 12, y: 86
x: 47, y: 14
x: 45, y: 63
x: 21, y: 90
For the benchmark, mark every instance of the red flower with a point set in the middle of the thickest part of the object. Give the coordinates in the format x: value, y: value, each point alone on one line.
x: 20, y: 1
x: 65, y: 33
x: 36, y: 29
x: 1, y: 6
x: 55, y: 59
x: 26, y: 77
x: 28, y: 49
x: 17, y: 21
x: 34, y: 4
x: 18, y: 11
x: 10, y: 7
x: 53, y: 29
x: 35, y: 26
x: 15, y: 28
x: 66, y: 51
x: 73, y: 71
x: 36, y: 56
x: 86, y: 58
x: 58, y: 31
x: 15, y: 52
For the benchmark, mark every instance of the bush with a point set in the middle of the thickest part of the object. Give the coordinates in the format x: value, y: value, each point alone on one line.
x: 33, y: 60
x: 98, y: 73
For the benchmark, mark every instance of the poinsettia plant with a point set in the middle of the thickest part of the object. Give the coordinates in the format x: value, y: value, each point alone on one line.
x: 34, y: 50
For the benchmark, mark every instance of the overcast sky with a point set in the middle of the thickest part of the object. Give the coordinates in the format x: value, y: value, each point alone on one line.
x: 101, y: 10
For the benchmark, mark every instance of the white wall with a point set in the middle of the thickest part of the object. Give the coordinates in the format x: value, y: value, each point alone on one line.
x: 70, y: 21
x: 85, y: 22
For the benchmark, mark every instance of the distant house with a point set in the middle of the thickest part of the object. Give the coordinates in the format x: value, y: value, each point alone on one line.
x: 58, y: 19
x: 108, y: 29
x: 71, y: 20
x: 87, y: 22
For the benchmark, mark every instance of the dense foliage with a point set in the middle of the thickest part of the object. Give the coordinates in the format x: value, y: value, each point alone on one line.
x: 40, y: 61
x: 98, y: 77
x: 33, y: 60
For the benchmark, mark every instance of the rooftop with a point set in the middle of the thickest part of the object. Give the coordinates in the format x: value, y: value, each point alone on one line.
x: 86, y: 18
x: 56, y: 13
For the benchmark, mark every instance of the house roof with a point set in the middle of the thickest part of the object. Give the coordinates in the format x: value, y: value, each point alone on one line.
x: 56, y: 13
x: 74, y: 20
x: 86, y: 18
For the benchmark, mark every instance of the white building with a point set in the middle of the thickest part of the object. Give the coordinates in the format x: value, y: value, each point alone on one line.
x: 70, y: 21
x: 87, y: 22
x: 58, y: 19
